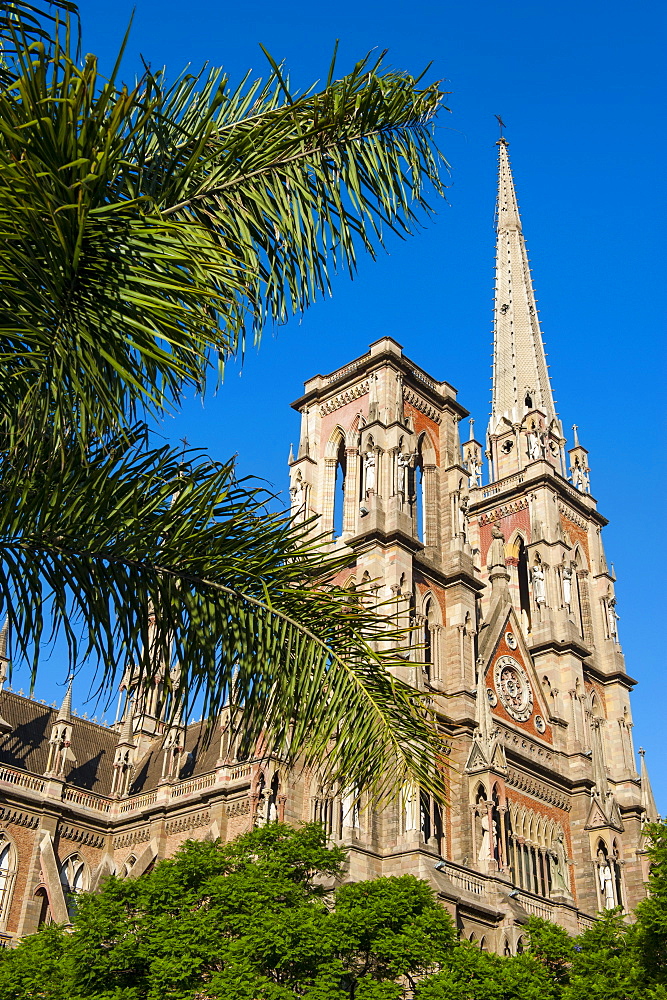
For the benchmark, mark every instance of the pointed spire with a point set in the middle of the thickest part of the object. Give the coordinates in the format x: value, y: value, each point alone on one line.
x: 520, y: 375
x: 65, y: 713
x: 290, y: 458
x: 126, y: 735
x: 647, y: 801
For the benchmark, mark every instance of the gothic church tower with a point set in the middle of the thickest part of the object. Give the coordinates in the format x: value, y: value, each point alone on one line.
x: 514, y: 605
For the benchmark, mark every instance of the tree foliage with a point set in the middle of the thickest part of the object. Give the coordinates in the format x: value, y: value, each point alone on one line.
x: 258, y: 918
x: 145, y: 231
x: 267, y: 917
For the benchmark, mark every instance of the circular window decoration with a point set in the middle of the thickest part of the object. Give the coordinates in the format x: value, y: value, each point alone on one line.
x: 492, y: 696
x: 540, y: 724
x: 510, y: 639
x: 513, y: 688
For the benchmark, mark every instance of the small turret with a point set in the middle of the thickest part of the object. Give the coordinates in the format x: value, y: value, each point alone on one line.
x: 579, y: 468
x: 124, y: 754
x: 60, y: 744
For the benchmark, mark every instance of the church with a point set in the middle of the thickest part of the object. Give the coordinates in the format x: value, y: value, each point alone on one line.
x: 503, y: 582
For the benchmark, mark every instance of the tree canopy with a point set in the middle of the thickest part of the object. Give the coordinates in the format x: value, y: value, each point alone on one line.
x: 146, y: 230
x: 270, y: 916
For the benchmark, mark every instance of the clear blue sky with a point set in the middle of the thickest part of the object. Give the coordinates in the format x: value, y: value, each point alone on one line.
x: 581, y: 89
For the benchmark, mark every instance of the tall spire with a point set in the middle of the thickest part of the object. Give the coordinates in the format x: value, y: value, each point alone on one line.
x: 520, y: 376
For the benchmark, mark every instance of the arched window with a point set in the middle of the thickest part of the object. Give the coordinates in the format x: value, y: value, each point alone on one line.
x: 74, y: 879
x: 128, y: 865
x: 42, y: 898
x: 524, y: 589
x: 339, y: 489
x: 428, y: 639
x: 7, y: 873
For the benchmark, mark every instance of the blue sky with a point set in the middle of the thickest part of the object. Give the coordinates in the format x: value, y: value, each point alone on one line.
x: 580, y: 88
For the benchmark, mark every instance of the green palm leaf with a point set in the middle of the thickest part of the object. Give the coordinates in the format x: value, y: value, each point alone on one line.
x: 145, y: 232
x: 185, y: 568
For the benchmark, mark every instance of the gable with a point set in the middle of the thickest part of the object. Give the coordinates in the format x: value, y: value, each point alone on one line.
x: 517, y: 696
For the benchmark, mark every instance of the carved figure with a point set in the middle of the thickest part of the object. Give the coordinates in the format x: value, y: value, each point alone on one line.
x: 369, y: 466
x: 297, y: 498
x: 539, y: 584
x: 475, y: 470
x: 612, y: 618
x: 567, y: 586
x: 496, y: 549
x: 488, y: 839
x: 606, y: 877
x: 403, y: 463
x: 534, y: 447
x: 409, y: 808
x: 463, y: 515
x: 558, y: 866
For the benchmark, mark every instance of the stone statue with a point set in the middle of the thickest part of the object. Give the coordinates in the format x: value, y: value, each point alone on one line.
x: 410, y: 823
x: 485, y: 848
x: 567, y: 586
x: 369, y: 467
x: 463, y: 515
x: 496, y: 549
x: 534, y: 447
x: 297, y: 497
x: 612, y: 618
x: 474, y: 469
x: 558, y: 866
x: 403, y: 463
x: 606, y: 877
x: 585, y: 481
x: 539, y: 584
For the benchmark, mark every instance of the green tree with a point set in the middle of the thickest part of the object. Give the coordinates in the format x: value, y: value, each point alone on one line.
x: 257, y: 919
x: 652, y: 912
x: 145, y: 232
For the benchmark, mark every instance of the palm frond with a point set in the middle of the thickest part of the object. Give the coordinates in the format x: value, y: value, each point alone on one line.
x: 141, y: 562
x: 144, y: 230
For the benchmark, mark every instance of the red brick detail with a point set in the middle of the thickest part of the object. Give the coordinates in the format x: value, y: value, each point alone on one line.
x: 576, y: 533
x: 519, y: 521
x: 421, y: 422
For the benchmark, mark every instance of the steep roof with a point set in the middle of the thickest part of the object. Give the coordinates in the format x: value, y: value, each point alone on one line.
x: 27, y: 746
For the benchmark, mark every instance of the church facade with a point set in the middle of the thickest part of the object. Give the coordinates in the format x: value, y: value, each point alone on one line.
x: 511, y: 603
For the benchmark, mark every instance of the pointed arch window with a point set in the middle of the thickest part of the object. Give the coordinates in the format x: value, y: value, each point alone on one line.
x: 74, y: 879
x: 524, y: 588
x: 42, y: 900
x: 339, y: 489
x: 7, y: 875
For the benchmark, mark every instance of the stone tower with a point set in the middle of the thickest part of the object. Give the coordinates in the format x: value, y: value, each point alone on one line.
x: 514, y: 607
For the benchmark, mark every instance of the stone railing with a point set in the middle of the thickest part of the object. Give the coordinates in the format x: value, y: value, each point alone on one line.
x: 86, y: 799
x: 535, y: 904
x: 421, y: 376
x: 13, y: 776
x: 240, y: 772
x: 501, y: 485
x: 195, y: 785
x: 164, y: 794
x: 462, y: 878
x: 138, y: 802
x: 347, y: 370
x: 585, y: 923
